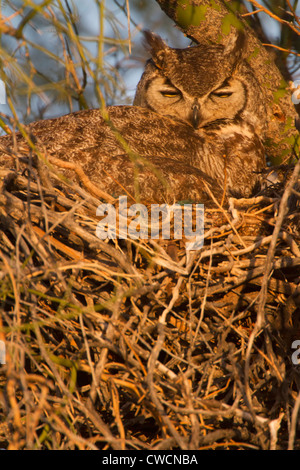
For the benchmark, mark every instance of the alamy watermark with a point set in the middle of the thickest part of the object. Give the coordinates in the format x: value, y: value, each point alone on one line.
x: 296, y: 92
x: 163, y: 221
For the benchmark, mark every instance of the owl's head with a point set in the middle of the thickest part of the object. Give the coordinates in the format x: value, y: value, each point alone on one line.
x: 201, y: 85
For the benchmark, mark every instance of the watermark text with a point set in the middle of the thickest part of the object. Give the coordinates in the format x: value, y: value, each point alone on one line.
x: 163, y: 221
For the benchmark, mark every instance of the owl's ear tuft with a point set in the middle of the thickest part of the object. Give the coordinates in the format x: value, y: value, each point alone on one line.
x: 235, y: 48
x: 156, y: 46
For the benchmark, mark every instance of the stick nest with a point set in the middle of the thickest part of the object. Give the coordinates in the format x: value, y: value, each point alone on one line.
x: 138, y: 345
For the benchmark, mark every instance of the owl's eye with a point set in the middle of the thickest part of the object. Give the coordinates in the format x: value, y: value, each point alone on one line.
x: 222, y: 94
x: 170, y: 93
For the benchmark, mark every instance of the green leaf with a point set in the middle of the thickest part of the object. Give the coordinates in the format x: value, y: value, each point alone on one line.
x: 189, y: 15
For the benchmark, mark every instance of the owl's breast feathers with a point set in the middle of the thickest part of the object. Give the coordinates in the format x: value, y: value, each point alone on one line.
x: 172, y: 160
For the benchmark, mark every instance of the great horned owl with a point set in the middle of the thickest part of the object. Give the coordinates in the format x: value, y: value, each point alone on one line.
x: 192, y: 130
x: 202, y: 85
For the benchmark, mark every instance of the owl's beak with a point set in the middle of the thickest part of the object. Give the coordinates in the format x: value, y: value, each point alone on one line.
x: 195, y: 114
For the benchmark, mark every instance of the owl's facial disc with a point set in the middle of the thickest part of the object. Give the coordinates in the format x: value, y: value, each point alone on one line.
x: 223, y: 103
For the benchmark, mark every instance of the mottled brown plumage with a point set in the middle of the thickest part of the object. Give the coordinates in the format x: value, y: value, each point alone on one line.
x: 174, y: 152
